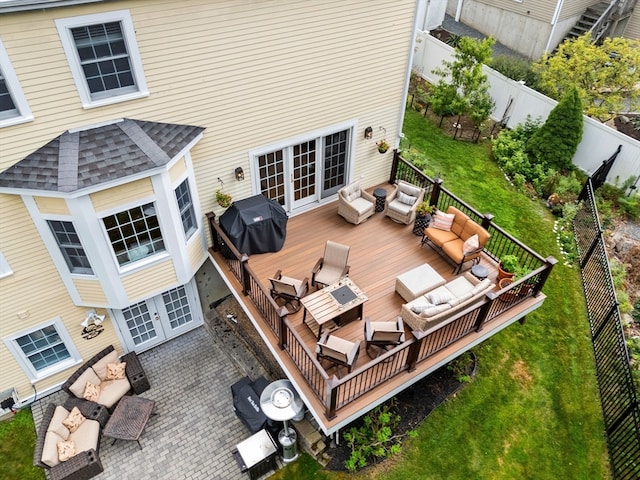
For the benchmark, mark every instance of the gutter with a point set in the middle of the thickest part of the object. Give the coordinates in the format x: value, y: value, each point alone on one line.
x: 407, y: 80
x: 10, y: 6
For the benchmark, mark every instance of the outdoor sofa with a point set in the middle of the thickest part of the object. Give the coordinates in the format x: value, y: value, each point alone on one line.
x: 439, y: 304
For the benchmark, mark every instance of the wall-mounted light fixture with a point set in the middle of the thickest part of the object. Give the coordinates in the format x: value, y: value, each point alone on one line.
x: 239, y: 174
x: 221, y: 182
x: 92, y: 318
x: 368, y: 133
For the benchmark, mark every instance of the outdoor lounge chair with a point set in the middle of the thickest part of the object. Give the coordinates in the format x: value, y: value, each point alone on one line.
x: 332, y: 266
x: 288, y: 289
x: 355, y: 205
x: 383, y: 334
x: 338, y: 351
x: 403, y: 201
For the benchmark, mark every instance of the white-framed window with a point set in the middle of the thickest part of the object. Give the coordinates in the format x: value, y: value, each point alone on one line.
x: 134, y: 234
x: 5, y: 268
x: 70, y: 247
x: 185, y: 205
x: 103, y: 56
x: 14, y: 108
x: 43, y: 350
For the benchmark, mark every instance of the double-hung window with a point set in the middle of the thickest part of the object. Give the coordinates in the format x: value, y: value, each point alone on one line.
x: 104, y: 57
x: 70, y: 247
x: 185, y: 205
x: 13, y: 104
x: 43, y: 350
x: 134, y: 234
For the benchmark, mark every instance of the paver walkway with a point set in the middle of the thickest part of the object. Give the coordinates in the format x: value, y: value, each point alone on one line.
x: 195, y: 428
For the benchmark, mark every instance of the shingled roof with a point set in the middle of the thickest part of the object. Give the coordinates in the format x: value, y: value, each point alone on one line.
x: 86, y: 158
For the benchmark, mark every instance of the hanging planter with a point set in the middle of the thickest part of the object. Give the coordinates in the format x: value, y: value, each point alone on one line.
x: 383, y: 146
x: 223, y: 199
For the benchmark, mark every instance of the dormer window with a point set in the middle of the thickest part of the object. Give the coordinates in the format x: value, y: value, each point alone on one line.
x: 134, y: 234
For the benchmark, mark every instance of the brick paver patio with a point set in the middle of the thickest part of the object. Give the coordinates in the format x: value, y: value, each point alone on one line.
x: 195, y: 428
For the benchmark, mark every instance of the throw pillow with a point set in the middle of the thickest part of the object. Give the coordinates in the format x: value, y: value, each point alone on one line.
x: 74, y: 420
x: 91, y: 392
x: 115, y: 371
x: 442, y: 221
x: 421, y: 307
x: 438, y: 298
x: 66, y: 450
x: 406, y: 199
x: 471, y: 244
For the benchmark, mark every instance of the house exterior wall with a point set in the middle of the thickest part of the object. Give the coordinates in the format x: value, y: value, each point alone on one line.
x: 254, y: 74
x: 632, y: 29
x: 525, y: 27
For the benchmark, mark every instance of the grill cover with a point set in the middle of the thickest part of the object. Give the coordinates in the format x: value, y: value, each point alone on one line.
x: 246, y: 402
x: 255, y: 225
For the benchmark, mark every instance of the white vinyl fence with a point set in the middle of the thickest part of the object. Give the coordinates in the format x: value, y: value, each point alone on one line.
x: 514, y: 102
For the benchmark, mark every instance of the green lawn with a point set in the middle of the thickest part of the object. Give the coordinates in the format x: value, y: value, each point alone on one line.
x: 17, y: 441
x: 533, y: 410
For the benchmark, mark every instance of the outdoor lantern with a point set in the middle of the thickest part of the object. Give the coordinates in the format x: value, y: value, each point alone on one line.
x: 239, y: 174
x: 368, y: 133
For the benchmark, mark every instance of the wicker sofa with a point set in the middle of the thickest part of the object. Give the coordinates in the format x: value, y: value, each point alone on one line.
x: 84, y: 464
x: 423, y: 314
x: 450, y: 244
x: 110, y: 390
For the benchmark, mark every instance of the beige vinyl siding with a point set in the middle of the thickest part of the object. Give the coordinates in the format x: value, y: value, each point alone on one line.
x: 197, y: 253
x: 106, y: 200
x: 90, y: 291
x: 34, y: 294
x: 178, y: 171
x: 632, y: 30
x: 155, y: 279
x: 52, y: 206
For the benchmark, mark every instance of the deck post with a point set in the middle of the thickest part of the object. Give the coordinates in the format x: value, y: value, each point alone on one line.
x: 246, y: 278
x: 435, y: 192
x: 549, y: 263
x: 484, y: 312
x: 394, y: 167
x: 414, y: 351
x: 282, y: 328
x: 330, y: 409
x: 487, y: 220
x: 211, y: 217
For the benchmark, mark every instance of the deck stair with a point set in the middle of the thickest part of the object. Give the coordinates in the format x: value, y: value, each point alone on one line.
x: 588, y: 19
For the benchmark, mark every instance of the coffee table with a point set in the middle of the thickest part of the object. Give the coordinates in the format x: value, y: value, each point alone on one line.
x: 129, y: 419
x: 418, y: 281
x: 339, y: 303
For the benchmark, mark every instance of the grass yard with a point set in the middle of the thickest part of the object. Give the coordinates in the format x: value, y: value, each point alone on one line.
x: 533, y: 410
x: 17, y: 441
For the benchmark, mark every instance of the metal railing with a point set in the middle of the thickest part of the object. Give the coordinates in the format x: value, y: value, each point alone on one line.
x: 618, y: 396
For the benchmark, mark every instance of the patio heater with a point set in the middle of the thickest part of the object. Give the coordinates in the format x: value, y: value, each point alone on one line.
x: 280, y: 402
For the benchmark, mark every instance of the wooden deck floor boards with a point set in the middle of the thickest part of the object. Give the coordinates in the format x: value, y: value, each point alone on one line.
x: 380, y: 250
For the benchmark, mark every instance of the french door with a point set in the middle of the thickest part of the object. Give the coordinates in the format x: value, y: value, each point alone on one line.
x: 145, y: 324
x: 306, y: 172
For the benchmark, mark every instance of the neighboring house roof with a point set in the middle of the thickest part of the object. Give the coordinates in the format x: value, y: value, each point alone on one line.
x: 79, y: 159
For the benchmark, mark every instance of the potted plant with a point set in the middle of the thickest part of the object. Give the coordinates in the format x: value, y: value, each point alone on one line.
x: 423, y: 217
x: 383, y: 146
x: 507, y: 266
x: 224, y: 199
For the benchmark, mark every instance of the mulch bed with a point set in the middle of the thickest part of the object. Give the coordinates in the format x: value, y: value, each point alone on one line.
x: 628, y: 128
x: 413, y: 405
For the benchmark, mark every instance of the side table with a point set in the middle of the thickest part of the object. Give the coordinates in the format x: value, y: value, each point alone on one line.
x: 420, y: 223
x: 129, y: 419
x: 479, y: 271
x: 256, y: 455
x: 380, y: 194
x: 135, y: 373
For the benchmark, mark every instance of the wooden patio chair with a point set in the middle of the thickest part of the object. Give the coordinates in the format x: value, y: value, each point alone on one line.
x: 338, y: 351
x: 382, y: 335
x: 288, y: 289
x: 332, y: 266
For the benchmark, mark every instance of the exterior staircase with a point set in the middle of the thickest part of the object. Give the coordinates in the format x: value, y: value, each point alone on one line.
x: 588, y: 20
x: 602, y: 19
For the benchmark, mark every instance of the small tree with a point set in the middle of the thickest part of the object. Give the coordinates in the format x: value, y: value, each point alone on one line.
x: 556, y: 142
x: 464, y: 77
x: 443, y: 100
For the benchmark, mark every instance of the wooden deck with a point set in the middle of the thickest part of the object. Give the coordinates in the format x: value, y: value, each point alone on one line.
x: 380, y: 250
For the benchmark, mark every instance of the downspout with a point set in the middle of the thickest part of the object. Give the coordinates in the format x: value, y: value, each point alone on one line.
x: 459, y: 10
x: 554, y: 23
x: 407, y: 79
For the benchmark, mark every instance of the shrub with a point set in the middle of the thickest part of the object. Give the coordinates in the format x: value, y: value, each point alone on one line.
x: 375, y: 438
x: 515, y: 68
x: 563, y: 228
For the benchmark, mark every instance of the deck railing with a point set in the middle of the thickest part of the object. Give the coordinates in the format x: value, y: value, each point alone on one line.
x: 335, y: 393
x: 620, y: 407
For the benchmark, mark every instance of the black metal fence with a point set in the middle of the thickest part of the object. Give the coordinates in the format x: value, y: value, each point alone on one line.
x: 618, y: 396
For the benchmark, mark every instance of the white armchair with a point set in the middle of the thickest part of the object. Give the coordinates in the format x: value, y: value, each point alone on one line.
x: 403, y: 201
x: 355, y: 204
